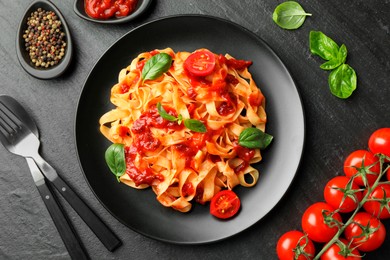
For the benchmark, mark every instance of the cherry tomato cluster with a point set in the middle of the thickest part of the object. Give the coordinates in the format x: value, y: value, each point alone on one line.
x: 362, y: 187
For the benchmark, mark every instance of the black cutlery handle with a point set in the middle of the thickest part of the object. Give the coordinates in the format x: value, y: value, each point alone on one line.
x: 105, y: 235
x: 67, y: 233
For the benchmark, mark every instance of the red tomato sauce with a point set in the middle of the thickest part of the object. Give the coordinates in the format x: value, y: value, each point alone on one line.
x: 144, y: 141
x: 255, y: 99
x: 189, y: 148
x: 124, y: 88
x: 186, y: 151
x: 233, y: 63
x: 245, y: 154
x: 219, y: 88
x: 187, y: 189
x: 229, y: 106
x: 152, y: 118
x: 139, y: 176
x: 105, y: 9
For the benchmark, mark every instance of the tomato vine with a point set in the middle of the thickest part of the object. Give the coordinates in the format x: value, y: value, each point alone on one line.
x: 363, y: 229
x: 359, y: 207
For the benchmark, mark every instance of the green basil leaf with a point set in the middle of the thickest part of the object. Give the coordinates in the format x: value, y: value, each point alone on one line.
x: 323, y: 46
x: 289, y: 15
x: 195, y: 125
x: 342, y: 81
x: 334, y: 63
x: 163, y: 113
x: 156, y: 66
x: 254, y: 138
x: 115, y: 159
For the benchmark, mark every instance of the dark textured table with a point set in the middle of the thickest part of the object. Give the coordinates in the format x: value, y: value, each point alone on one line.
x: 334, y: 127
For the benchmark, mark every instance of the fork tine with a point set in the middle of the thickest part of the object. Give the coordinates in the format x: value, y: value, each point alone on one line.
x: 4, y: 128
x: 9, y: 122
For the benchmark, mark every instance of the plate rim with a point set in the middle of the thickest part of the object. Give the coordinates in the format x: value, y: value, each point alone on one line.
x: 280, y: 62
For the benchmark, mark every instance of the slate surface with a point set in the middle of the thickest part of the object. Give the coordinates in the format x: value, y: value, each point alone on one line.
x: 334, y: 127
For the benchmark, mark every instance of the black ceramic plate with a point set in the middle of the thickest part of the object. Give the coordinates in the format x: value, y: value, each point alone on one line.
x: 139, y: 209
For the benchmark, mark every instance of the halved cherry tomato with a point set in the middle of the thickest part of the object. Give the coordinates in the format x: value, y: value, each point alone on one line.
x: 294, y: 245
x: 318, y: 228
x: 334, y: 252
x: 224, y: 204
x: 354, y: 165
x: 366, y: 232
x: 373, y: 206
x: 379, y: 141
x: 200, y: 63
x: 341, y: 194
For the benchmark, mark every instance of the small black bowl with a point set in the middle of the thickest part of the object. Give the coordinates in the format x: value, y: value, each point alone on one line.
x: 141, y: 7
x: 24, y: 59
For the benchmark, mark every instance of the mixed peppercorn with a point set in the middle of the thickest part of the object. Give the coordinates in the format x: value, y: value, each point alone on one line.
x: 44, y: 38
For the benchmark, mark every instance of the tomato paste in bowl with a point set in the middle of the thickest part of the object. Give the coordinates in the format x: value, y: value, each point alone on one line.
x: 104, y: 9
x: 110, y: 11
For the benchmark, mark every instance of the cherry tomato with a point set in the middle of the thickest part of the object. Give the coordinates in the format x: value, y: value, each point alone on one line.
x: 341, y: 252
x: 353, y: 166
x: 316, y: 226
x: 200, y: 63
x: 288, y: 247
x: 379, y: 141
x: 367, y: 237
x: 224, y: 204
x: 339, y: 193
x: 374, y: 207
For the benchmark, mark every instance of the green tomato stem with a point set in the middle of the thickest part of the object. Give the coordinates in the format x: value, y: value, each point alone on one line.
x: 360, y: 205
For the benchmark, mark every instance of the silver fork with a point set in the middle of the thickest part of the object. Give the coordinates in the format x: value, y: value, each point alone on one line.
x: 20, y: 140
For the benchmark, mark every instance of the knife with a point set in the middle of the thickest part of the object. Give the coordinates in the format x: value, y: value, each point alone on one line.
x: 69, y: 237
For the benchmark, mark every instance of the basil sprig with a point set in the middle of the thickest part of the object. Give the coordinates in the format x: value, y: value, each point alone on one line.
x: 156, y: 66
x: 336, y: 61
x: 115, y: 159
x: 192, y: 124
x: 326, y: 48
x: 342, y: 79
x: 254, y: 138
x: 289, y: 15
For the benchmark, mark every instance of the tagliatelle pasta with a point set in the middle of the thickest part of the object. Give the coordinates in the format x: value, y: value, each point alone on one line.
x: 182, y: 165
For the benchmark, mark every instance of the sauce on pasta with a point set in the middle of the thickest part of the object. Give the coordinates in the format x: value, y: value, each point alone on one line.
x: 179, y: 164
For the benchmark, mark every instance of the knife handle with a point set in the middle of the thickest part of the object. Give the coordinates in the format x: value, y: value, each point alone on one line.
x: 67, y: 233
x: 105, y: 235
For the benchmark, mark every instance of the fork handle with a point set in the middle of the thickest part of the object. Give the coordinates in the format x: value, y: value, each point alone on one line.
x: 67, y: 233
x: 105, y: 235
x: 101, y: 230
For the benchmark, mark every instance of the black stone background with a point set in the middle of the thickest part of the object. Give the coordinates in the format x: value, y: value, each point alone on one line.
x: 334, y: 127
